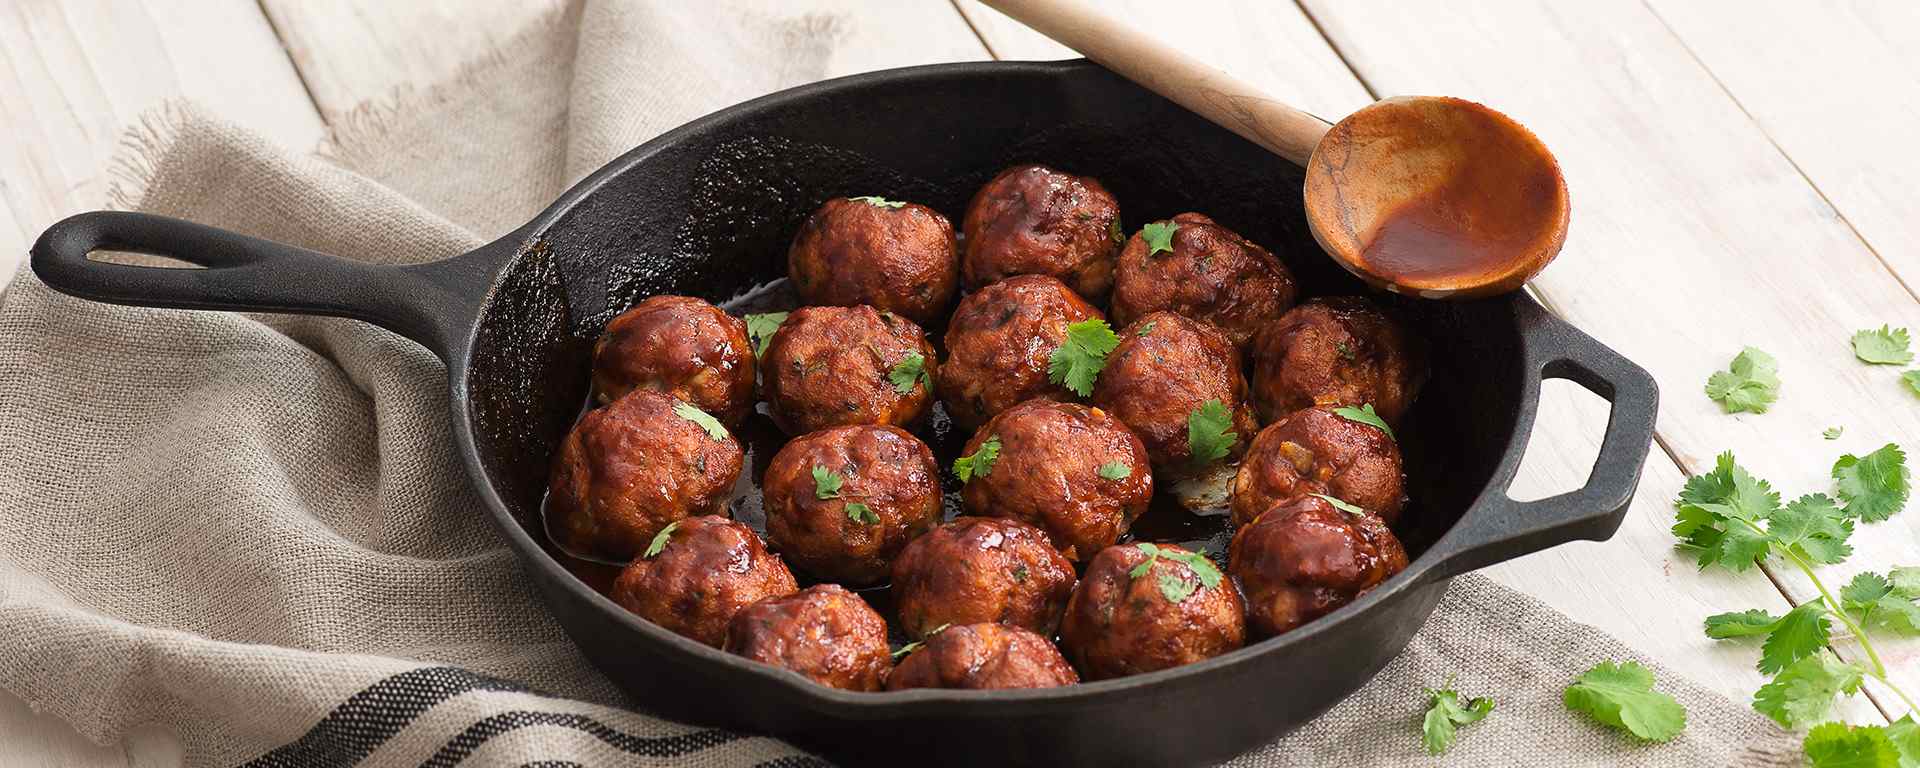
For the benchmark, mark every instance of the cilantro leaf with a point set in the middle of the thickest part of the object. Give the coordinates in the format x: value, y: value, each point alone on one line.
x: 1729, y: 483
x: 760, y: 328
x: 1717, y: 515
x: 1445, y: 711
x: 1866, y: 588
x: 1115, y: 470
x: 1813, y: 527
x: 1115, y: 232
x: 1750, y: 383
x: 1141, y: 569
x: 877, y: 201
x: 1174, y: 585
x: 1875, y: 485
x: 1833, y: 433
x: 1210, y: 435
x: 1622, y: 696
x: 1804, y: 691
x: 1159, y: 236
x: 660, y: 540
x: 1365, y: 415
x: 1148, y: 328
x: 1721, y: 626
x: 861, y: 513
x: 908, y: 373
x: 1905, y: 735
x: 1887, y: 346
x: 1836, y: 745
x: 826, y: 483
x: 707, y: 422
x: 1881, y: 600
x: 1799, y: 634
x: 1338, y: 504
x: 1912, y: 380
x: 1079, y: 359
x: 980, y: 462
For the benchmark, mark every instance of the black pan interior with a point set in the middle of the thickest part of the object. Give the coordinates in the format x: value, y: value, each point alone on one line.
x: 711, y: 215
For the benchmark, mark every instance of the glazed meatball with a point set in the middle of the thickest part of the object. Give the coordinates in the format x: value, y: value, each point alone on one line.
x: 1034, y: 220
x: 842, y: 502
x: 630, y: 468
x: 979, y: 569
x: 829, y: 366
x: 978, y: 656
x: 1166, y: 368
x: 1304, y: 558
x: 1317, y: 451
x: 824, y: 632
x: 1209, y: 274
x: 1075, y: 471
x: 1179, y: 611
x: 704, y: 570
x: 1335, y: 351
x: 900, y: 257
x: 681, y: 346
x: 1001, y: 342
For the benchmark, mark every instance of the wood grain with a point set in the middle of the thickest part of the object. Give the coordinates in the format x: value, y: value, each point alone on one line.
x: 74, y: 73
x: 1692, y: 236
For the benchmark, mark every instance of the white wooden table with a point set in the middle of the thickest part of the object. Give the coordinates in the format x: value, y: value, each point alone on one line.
x: 1741, y: 172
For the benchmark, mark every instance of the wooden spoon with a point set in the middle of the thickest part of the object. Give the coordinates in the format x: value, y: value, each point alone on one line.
x: 1425, y: 195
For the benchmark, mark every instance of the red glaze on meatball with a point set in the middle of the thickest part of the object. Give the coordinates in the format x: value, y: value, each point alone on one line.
x: 630, y: 468
x: 1001, y: 342
x: 900, y: 257
x: 1304, y: 558
x: 1117, y: 625
x: 829, y: 366
x: 1335, y: 351
x: 979, y: 656
x: 1167, y: 367
x: 842, y: 502
x: 1034, y: 220
x: 1317, y: 451
x: 1075, y: 471
x: 1210, y: 274
x: 681, y: 346
x: 980, y: 569
x: 824, y: 632
x: 705, y: 570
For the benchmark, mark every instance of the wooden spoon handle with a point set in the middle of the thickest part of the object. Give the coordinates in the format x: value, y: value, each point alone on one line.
x: 1213, y: 94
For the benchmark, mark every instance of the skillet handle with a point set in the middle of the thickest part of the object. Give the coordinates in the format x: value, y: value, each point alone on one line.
x: 432, y: 304
x: 1497, y: 528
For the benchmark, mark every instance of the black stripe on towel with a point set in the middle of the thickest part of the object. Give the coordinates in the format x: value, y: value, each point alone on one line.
x: 460, y: 747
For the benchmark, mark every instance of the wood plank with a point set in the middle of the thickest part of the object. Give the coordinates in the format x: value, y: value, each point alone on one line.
x: 1603, y: 584
x: 1692, y: 236
x: 74, y: 74
x: 350, y: 52
x: 1846, y: 116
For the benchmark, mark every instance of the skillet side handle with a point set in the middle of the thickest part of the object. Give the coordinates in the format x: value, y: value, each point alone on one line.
x: 432, y: 304
x: 1497, y: 528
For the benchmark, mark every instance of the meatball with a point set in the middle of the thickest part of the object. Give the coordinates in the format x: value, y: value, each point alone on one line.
x: 630, y: 468
x: 1335, y: 351
x: 1179, y: 611
x: 681, y: 346
x: 1317, y: 451
x: 697, y: 574
x: 824, y: 632
x: 1034, y: 220
x: 1206, y: 272
x: 829, y: 366
x: 986, y: 655
x: 980, y: 569
x: 1000, y: 344
x: 1304, y: 558
x: 1167, y: 368
x: 900, y: 257
x: 842, y: 502
x: 1075, y: 471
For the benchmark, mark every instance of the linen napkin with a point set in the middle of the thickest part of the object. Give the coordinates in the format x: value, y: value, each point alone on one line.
x: 253, y: 531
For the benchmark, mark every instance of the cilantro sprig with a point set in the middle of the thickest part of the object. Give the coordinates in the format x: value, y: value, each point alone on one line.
x: 761, y: 327
x: 1159, y: 236
x: 1210, y: 435
x: 1174, y: 585
x: 826, y: 483
x: 1887, y: 346
x: 1080, y: 358
x: 980, y: 462
x: 909, y: 373
x: 1622, y: 696
x: 1446, y: 712
x: 1750, y: 383
x: 660, y: 540
x: 704, y: 420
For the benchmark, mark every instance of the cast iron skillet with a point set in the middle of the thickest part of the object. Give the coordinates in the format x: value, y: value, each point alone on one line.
x: 707, y: 210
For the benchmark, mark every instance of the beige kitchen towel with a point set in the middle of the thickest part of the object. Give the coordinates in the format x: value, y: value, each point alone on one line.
x: 252, y: 531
